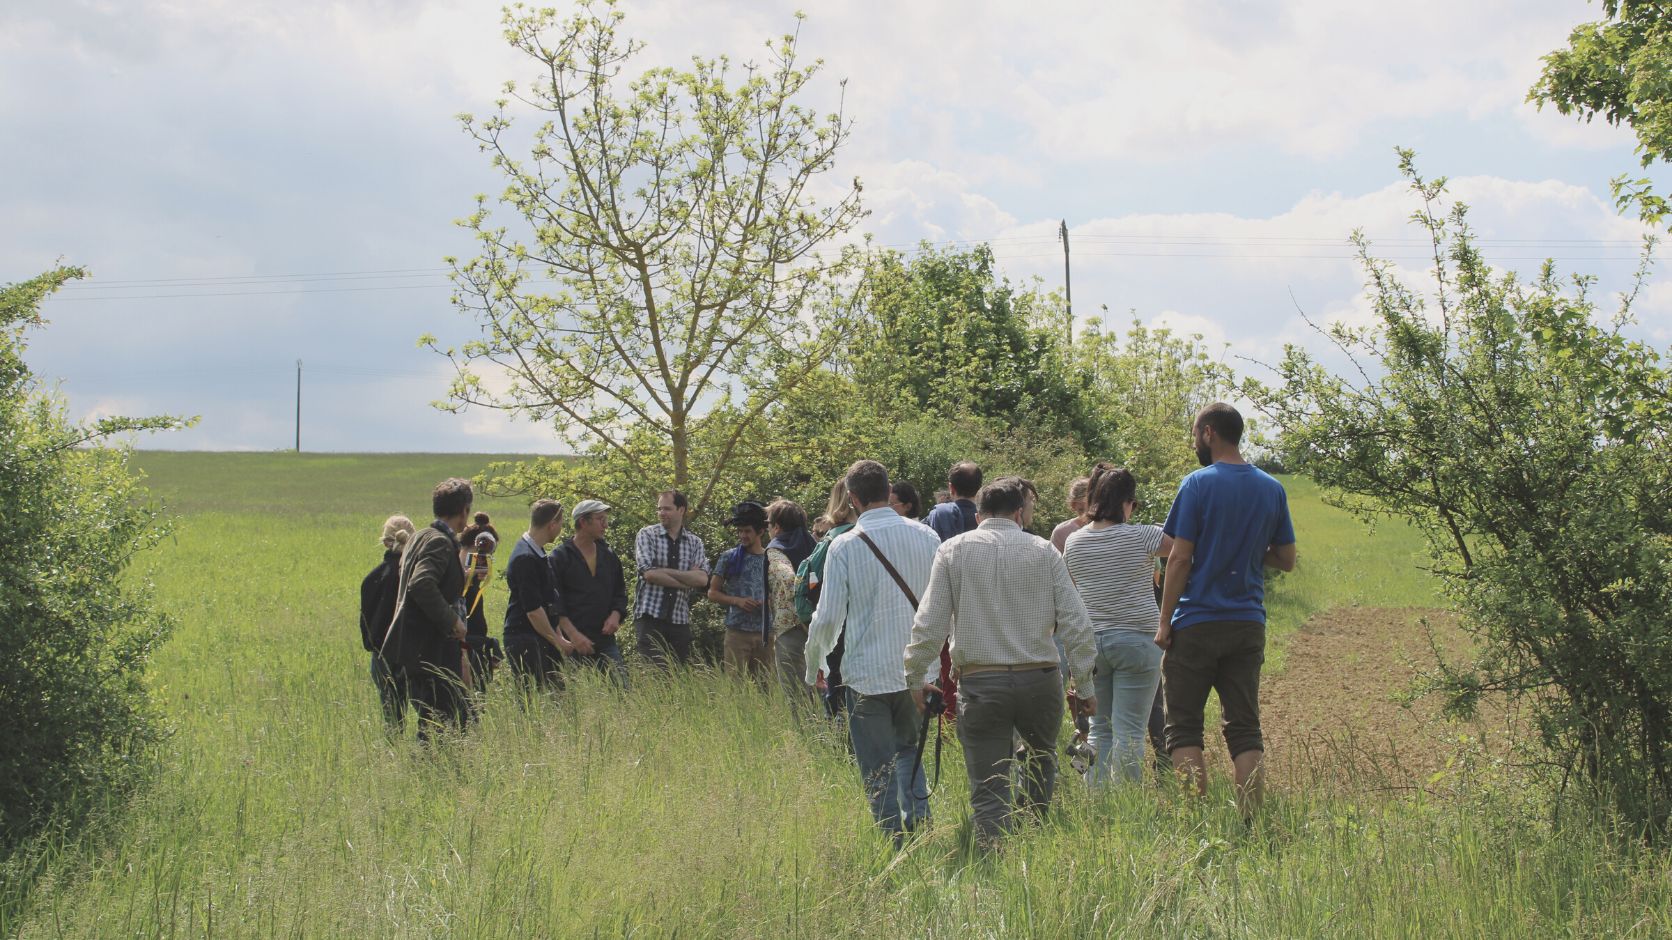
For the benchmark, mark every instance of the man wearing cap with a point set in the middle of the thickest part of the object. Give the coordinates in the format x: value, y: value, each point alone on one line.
x: 739, y: 584
x: 591, y: 590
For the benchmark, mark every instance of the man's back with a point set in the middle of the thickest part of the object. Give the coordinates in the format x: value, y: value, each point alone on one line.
x: 952, y: 519
x: 858, y: 590
x: 431, y: 575
x: 1233, y: 513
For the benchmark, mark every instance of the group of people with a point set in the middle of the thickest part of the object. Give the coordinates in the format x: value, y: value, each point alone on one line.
x: 890, y: 618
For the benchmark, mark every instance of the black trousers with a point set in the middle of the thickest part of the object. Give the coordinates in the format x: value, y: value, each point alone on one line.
x: 531, y: 657
x: 438, y: 694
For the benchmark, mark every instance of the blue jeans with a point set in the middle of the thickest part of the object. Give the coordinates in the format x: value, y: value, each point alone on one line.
x: 1128, y: 669
x: 884, y: 732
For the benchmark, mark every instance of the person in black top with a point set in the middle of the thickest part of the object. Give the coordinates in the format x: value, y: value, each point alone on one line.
x: 377, y: 611
x: 591, y: 590
x: 534, y: 644
x: 425, y: 643
x: 479, y: 541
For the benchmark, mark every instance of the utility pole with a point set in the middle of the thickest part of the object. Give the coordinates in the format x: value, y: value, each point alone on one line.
x: 298, y: 406
x: 1067, y: 287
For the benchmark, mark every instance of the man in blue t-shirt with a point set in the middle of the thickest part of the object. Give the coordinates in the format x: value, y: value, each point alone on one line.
x: 1229, y: 523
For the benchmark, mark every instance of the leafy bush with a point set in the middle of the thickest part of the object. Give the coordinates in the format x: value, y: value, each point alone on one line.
x: 1528, y: 441
x: 75, y: 634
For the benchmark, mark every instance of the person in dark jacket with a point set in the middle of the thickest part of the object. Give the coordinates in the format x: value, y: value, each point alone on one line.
x: 377, y: 611
x: 591, y: 590
x: 425, y: 644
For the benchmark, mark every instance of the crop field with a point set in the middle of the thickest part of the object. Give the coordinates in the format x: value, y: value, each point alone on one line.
x: 692, y: 807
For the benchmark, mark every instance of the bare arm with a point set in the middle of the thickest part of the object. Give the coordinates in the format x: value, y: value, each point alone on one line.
x: 1281, y: 557
x: 1165, y: 550
x: 543, y: 626
x: 577, y: 640
x: 1178, y: 571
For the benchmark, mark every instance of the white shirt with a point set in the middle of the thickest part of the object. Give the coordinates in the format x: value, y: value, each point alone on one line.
x: 857, y: 590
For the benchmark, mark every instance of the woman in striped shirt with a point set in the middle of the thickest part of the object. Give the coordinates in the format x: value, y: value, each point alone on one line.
x: 1113, y: 563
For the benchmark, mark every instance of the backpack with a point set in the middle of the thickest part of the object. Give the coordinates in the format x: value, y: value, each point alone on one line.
x: 809, y: 575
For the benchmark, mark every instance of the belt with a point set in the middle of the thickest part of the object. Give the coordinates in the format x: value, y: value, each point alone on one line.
x: 978, y: 668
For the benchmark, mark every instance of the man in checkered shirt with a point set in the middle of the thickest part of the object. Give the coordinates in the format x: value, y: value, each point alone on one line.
x: 672, y: 563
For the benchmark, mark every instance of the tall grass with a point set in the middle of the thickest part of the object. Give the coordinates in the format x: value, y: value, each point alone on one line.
x: 691, y: 806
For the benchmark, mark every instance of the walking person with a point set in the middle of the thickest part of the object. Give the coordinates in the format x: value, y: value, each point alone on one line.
x: 1077, y: 508
x: 1229, y: 522
x: 1113, y: 565
x: 425, y: 645
x: 905, y: 501
x: 378, y: 593
x: 739, y: 585
x: 791, y: 545
x: 1001, y: 594
x: 956, y: 517
x: 873, y: 578
x: 591, y: 588
x: 534, y: 643
x: 671, y: 564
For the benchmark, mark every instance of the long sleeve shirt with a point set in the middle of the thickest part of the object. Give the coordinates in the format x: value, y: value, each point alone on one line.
x: 858, y: 591
x: 585, y: 596
x: 1002, y: 594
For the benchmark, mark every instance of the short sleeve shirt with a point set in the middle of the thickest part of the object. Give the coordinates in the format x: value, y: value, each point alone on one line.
x: 1233, y: 513
x: 749, y: 582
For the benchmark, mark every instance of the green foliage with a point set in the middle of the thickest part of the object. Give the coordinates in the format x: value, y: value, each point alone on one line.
x: 76, y: 637
x: 944, y: 334
x: 1527, y: 441
x: 1620, y: 68
x: 1146, y: 388
x: 666, y: 275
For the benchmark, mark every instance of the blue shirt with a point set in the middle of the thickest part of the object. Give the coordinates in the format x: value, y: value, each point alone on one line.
x: 950, y: 519
x: 1233, y: 513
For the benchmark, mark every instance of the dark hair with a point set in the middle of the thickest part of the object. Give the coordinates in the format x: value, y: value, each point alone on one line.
x: 544, y: 511
x: 964, y: 478
x: 907, y: 494
x: 1225, y: 421
x: 868, y: 482
x: 1107, y: 500
x: 679, y: 500
x: 786, y: 515
x: 1004, y: 496
x: 451, y: 497
x: 479, y: 525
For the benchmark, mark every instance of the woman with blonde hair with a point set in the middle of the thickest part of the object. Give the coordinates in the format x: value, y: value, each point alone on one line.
x: 377, y: 611
x: 839, y: 516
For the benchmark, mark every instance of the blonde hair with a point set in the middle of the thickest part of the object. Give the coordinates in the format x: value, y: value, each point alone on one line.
x: 397, y: 529
x: 840, y: 511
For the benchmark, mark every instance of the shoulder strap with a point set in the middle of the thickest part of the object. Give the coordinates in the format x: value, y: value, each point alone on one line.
x: 887, y: 566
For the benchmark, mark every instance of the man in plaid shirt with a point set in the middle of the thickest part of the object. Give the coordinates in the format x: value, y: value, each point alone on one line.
x: 672, y: 564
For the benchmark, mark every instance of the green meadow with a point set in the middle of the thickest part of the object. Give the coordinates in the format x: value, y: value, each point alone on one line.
x: 691, y: 807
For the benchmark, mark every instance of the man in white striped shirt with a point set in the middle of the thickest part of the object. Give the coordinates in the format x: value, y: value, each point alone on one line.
x: 859, y: 590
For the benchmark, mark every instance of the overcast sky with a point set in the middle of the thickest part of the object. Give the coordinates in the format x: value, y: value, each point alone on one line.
x: 257, y: 182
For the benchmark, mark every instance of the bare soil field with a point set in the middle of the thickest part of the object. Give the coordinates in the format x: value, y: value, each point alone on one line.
x: 1333, y: 716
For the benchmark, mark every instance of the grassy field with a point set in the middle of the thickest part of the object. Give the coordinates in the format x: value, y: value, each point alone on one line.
x: 691, y: 807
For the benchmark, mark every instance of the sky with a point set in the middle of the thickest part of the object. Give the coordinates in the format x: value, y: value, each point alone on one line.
x: 255, y: 183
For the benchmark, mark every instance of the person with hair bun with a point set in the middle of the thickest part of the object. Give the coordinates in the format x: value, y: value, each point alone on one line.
x: 377, y: 611
x: 478, y: 543
x: 1113, y: 565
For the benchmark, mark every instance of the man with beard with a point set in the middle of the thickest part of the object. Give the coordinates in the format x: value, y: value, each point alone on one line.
x: 1229, y: 522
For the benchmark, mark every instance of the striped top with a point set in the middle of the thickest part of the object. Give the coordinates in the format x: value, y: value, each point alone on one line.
x: 1114, y: 568
x: 858, y: 590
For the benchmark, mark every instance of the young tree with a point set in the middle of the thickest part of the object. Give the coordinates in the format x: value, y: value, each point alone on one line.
x: 75, y: 634
x: 674, y: 271
x: 1528, y: 441
x: 1617, y: 68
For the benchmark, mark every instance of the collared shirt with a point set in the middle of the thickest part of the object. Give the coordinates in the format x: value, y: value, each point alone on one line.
x: 858, y: 591
x: 586, y: 596
x: 1003, y: 594
x: 530, y: 581
x: 652, y: 548
x: 952, y: 519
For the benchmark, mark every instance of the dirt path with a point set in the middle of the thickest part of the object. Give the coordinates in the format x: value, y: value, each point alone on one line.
x: 1332, y: 718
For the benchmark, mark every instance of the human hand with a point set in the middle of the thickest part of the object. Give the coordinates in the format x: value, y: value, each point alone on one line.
x: 581, y: 645
x: 613, y: 623
x: 460, y: 629
x: 1164, y: 636
x: 749, y: 604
